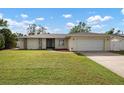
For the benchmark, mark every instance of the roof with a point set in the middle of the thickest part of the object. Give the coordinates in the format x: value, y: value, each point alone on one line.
x: 46, y: 36
x: 64, y: 35
x: 87, y: 34
x: 117, y: 36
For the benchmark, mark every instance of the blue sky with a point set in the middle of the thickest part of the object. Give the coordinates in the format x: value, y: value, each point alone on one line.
x: 61, y: 20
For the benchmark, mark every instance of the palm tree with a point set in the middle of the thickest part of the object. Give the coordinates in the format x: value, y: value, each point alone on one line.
x: 3, y: 23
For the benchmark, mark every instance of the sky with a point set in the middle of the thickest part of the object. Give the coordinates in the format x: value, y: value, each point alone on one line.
x: 61, y: 20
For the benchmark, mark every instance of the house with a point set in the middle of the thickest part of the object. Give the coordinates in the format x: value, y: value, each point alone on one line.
x: 82, y: 41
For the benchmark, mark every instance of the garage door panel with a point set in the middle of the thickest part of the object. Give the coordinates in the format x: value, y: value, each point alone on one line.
x: 90, y: 45
x: 32, y: 44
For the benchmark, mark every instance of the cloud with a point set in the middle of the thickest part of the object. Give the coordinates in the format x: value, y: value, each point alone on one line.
x: 40, y: 19
x: 19, y: 26
x: 57, y: 31
x: 98, y: 28
x: 70, y: 25
x: 24, y: 15
x: 122, y: 11
x: 77, y: 21
x: 54, y: 30
x: 98, y: 19
x: 67, y: 15
x: 1, y: 15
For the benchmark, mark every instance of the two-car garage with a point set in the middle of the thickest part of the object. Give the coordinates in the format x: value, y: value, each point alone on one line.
x: 90, y: 45
x: 86, y: 44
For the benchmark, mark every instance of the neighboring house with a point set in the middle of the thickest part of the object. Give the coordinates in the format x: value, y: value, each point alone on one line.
x: 82, y: 41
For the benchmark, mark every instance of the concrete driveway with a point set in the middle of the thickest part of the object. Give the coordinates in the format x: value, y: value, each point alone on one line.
x: 112, y: 61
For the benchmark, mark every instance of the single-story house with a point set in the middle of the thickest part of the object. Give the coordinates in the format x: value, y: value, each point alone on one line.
x: 82, y: 41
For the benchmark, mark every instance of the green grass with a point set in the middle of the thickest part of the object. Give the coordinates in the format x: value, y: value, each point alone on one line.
x: 119, y: 52
x: 48, y: 67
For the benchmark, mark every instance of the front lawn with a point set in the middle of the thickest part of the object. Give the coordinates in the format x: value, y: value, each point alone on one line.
x: 52, y: 67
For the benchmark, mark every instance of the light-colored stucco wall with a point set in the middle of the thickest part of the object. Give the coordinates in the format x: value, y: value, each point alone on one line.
x: 21, y: 43
x: 58, y: 46
x: 117, y: 44
x: 43, y: 43
x: 122, y: 44
x: 107, y: 44
x: 32, y: 43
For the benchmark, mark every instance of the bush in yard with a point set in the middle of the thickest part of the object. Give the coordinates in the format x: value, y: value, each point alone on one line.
x: 2, y: 42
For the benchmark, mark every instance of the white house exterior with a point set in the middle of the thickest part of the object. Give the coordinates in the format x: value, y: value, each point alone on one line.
x: 73, y: 42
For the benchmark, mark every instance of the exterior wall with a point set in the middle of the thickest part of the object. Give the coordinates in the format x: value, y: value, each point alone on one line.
x: 73, y: 44
x: 32, y: 43
x: 58, y: 46
x: 122, y: 44
x: 117, y: 44
x: 21, y: 43
x: 107, y: 44
x: 43, y: 43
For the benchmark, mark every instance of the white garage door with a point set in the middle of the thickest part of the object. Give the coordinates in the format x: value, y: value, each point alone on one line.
x: 90, y: 45
x: 32, y: 44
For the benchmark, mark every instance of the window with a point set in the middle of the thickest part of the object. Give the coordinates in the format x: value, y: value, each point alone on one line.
x: 61, y: 42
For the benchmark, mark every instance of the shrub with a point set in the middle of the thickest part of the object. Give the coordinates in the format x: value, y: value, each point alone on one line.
x: 2, y: 42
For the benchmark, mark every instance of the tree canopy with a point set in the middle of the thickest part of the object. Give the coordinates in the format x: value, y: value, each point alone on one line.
x: 35, y: 29
x: 113, y: 31
x: 3, y: 23
x: 6, y: 36
x: 81, y: 27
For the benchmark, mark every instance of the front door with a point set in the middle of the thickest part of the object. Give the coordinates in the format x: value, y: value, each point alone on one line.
x: 50, y: 43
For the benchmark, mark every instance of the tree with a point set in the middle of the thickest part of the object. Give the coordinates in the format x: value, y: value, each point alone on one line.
x: 81, y: 27
x: 111, y: 31
x: 19, y: 34
x: 2, y: 42
x: 7, y: 38
x: 3, y: 23
x: 10, y: 39
x: 118, y: 32
x: 41, y: 29
x: 33, y: 28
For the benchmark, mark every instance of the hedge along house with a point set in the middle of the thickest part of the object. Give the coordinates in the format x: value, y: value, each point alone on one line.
x: 82, y: 41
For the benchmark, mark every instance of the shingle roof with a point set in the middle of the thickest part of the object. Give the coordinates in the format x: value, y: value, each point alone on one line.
x: 46, y: 36
x: 64, y: 35
x: 87, y: 34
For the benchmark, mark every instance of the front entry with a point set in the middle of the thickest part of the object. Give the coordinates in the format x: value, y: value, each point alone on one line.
x: 50, y: 43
